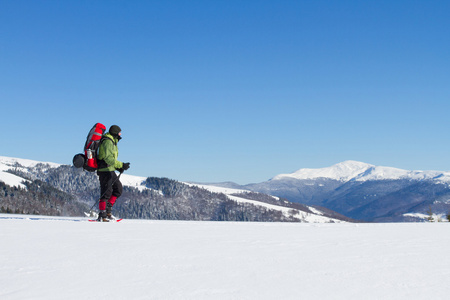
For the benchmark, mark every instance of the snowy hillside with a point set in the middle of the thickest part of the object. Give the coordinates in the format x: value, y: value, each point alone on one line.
x: 359, y: 171
x: 311, y: 215
x: 69, y: 258
x: 7, y: 163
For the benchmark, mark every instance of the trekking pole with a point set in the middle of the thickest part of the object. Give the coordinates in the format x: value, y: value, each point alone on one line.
x: 90, y: 210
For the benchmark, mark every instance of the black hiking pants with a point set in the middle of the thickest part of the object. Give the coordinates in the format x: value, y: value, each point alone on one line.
x: 110, y: 185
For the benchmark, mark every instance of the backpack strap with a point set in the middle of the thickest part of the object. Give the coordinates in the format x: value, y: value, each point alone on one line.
x: 104, y: 137
x: 101, y: 163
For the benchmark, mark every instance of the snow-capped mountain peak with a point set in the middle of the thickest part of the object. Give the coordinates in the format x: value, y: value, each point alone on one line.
x: 343, y: 171
x: 358, y: 171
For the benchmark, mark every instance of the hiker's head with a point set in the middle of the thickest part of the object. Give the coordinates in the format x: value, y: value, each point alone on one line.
x: 115, y: 131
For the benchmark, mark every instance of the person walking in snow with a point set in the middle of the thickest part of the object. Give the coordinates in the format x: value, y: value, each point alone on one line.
x: 110, y: 185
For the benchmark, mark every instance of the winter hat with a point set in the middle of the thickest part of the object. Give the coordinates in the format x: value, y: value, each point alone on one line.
x: 115, y: 130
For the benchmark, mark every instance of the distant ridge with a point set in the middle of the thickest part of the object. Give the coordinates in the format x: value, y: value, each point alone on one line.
x: 359, y: 171
x: 364, y: 191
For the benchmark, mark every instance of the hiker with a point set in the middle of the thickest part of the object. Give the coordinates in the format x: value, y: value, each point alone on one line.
x: 110, y: 185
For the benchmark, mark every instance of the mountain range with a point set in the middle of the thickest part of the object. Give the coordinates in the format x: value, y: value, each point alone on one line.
x: 32, y: 187
x: 346, y: 191
x: 363, y: 191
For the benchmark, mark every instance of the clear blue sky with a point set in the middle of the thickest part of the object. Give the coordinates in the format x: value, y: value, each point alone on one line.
x: 229, y: 90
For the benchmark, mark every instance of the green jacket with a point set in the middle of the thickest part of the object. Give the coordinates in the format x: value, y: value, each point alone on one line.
x: 108, y: 152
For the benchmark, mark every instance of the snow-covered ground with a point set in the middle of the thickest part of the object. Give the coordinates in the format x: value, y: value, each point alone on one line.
x: 69, y: 258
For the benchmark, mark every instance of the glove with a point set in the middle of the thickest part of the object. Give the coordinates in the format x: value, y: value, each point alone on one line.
x: 125, y: 166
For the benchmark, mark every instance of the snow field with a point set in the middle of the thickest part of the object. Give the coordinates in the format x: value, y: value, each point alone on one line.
x: 58, y: 258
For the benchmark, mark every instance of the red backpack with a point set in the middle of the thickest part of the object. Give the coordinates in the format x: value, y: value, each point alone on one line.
x: 88, y: 160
